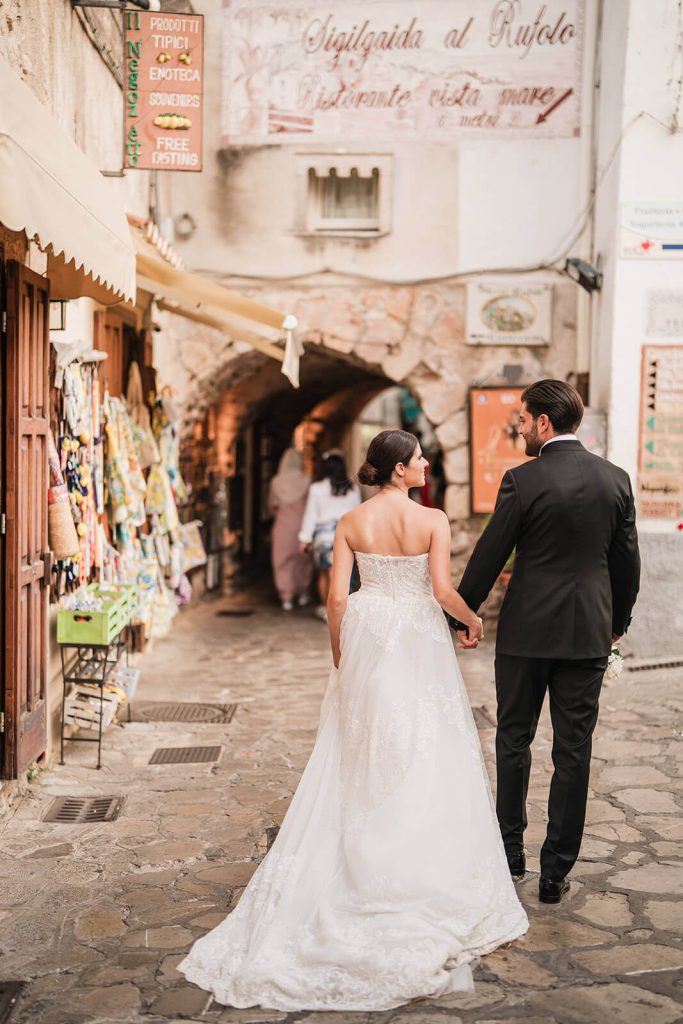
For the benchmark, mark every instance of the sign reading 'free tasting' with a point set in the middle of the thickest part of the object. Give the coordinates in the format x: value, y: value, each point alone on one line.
x: 163, y: 91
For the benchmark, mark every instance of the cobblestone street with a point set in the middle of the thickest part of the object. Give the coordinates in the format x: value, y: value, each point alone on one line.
x: 96, y: 916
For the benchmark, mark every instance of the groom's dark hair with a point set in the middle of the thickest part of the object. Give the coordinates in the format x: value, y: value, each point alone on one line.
x: 560, y: 402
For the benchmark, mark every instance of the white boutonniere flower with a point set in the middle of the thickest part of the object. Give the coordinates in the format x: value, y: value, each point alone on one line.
x: 615, y: 664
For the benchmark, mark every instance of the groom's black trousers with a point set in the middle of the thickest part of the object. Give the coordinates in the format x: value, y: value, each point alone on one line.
x: 574, y: 690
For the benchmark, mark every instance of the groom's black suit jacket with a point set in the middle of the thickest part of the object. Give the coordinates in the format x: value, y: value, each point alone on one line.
x: 570, y: 515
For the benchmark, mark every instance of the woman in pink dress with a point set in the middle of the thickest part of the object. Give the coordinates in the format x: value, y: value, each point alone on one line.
x: 287, y: 501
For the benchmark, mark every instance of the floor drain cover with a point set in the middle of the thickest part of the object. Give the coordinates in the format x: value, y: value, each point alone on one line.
x: 185, y: 755
x: 170, y: 711
x: 80, y: 810
x: 482, y: 718
x: 236, y: 613
x: 9, y: 997
x: 650, y: 666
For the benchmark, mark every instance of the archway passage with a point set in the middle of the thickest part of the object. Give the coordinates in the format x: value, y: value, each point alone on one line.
x: 233, y: 452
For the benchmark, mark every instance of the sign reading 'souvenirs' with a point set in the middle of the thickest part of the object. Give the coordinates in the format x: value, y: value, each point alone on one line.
x: 164, y: 77
x: 354, y: 70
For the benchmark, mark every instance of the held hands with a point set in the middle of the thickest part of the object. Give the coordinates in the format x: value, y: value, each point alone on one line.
x: 470, y: 638
x: 304, y: 547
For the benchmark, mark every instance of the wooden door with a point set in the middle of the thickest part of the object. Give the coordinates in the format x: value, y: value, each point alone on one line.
x: 111, y: 337
x: 27, y: 561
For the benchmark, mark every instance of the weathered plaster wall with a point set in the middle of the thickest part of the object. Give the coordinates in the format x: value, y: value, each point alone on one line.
x: 45, y: 42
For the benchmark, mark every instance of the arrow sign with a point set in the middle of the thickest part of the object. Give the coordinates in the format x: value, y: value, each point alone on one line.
x: 651, y: 423
x: 650, y: 446
x: 543, y: 117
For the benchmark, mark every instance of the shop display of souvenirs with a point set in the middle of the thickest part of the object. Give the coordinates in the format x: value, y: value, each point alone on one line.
x: 115, y: 485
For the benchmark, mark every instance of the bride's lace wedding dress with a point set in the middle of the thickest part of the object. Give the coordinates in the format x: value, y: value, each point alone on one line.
x: 388, y: 876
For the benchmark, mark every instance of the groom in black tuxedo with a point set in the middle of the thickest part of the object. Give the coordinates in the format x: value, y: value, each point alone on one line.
x: 570, y: 516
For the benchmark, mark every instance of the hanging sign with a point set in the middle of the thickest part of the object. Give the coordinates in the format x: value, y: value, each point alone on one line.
x: 508, y: 312
x: 495, y: 442
x: 163, y: 91
x: 660, y: 463
x: 340, y: 70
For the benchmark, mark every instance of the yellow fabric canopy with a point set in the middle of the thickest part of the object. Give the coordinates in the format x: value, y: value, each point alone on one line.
x: 51, y: 190
x: 189, y: 295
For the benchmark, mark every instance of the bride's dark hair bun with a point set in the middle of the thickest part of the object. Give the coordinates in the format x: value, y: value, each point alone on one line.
x: 367, y: 475
x: 384, y: 452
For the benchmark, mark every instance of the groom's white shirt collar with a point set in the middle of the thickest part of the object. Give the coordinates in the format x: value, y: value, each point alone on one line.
x: 560, y: 437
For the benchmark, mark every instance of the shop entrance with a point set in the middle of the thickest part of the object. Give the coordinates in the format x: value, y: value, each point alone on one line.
x: 26, y: 561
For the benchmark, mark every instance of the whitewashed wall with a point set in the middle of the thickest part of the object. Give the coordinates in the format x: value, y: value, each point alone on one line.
x: 641, y: 100
x: 472, y: 205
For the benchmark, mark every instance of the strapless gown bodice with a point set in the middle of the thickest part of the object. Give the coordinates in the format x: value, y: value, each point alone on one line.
x: 395, y: 596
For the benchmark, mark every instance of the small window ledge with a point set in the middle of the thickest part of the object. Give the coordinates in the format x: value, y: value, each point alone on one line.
x: 343, y: 233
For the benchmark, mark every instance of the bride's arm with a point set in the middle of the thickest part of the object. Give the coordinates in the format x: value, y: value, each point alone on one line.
x: 342, y: 566
x: 442, y: 584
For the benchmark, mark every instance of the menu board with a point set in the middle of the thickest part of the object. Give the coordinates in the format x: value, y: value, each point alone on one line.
x: 660, y: 463
x: 495, y: 442
x: 163, y: 91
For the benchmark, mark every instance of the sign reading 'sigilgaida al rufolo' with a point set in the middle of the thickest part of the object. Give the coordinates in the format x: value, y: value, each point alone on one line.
x: 354, y: 70
x: 163, y: 91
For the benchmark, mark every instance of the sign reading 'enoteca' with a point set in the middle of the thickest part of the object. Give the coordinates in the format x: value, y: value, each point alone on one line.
x: 401, y: 69
x: 164, y: 74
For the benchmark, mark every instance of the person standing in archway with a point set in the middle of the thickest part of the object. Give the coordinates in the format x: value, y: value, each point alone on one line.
x: 292, y: 570
x: 328, y: 500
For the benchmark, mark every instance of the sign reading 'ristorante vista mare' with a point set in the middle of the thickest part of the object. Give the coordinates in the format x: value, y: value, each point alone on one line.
x: 400, y: 69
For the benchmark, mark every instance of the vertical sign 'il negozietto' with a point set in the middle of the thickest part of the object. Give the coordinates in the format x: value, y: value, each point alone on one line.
x: 163, y: 91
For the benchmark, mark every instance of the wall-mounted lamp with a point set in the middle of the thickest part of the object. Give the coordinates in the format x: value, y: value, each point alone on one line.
x: 584, y: 274
x: 512, y: 372
x: 119, y: 5
x: 58, y: 314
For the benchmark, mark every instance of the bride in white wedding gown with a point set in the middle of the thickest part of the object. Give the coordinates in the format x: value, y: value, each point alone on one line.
x: 388, y: 876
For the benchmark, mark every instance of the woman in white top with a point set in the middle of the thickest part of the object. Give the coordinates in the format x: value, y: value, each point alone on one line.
x: 328, y: 499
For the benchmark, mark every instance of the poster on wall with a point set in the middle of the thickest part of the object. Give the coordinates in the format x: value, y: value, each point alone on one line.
x: 495, y: 442
x: 664, y: 313
x: 660, y: 457
x: 652, y: 230
x: 508, y: 312
x: 163, y: 91
x: 340, y: 70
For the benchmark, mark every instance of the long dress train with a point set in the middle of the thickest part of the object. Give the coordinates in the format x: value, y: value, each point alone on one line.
x: 388, y: 876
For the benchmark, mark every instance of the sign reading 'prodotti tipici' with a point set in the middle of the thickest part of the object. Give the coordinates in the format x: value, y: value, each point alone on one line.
x: 163, y: 91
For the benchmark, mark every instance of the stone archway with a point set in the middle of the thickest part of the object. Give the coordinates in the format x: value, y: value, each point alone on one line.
x: 359, y: 335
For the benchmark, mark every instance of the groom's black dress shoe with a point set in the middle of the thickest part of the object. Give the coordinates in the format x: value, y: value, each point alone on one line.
x: 516, y: 862
x: 552, y: 892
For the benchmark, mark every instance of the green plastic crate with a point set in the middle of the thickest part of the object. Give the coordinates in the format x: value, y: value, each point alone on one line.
x: 82, y: 627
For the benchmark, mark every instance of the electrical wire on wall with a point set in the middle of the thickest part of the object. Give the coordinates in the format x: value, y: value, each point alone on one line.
x: 553, y: 263
x: 92, y: 31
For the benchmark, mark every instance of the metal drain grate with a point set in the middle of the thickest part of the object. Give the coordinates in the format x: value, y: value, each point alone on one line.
x: 482, y: 718
x: 9, y: 997
x: 185, y: 755
x: 236, y: 613
x: 80, y: 810
x: 650, y: 666
x: 171, y: 711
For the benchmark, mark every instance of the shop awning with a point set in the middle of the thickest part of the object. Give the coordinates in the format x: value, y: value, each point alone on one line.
x: 51, y: 190
x: 205, y: 301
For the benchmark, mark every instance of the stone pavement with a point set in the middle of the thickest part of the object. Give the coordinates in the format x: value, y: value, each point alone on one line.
x: 96, y: 917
